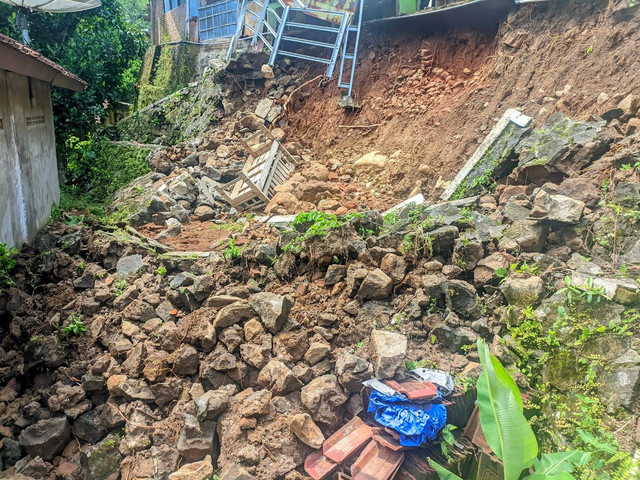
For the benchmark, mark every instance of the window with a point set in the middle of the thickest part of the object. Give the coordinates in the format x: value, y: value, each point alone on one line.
x: 218, y: 19
x: 171, y: 4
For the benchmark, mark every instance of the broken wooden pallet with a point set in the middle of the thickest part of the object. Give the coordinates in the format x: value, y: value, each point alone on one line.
x: 269, y: 164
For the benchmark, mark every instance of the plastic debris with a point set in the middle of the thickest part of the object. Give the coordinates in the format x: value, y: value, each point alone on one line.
x: 443, y: 380
x: 417, y: 423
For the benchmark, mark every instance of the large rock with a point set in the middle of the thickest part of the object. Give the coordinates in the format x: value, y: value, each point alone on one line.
x: 394, y: 266
x: 256, y: 404
x: 324, y: 399
x: 388, y: 350
x: 101, y: 461
x: 352, y: 371
x: 627, y: 194
x: 462, y: 298
x: 196, y: 438
x: 202, y: 470
x: 556, y: 208
x: 581, y: 189
x: 485, y: 271
x: 335, y: 274
x: 128, y: 266
x: 466, y: 255
x: 619, y: 384
x: 557, y: 149
x: 211, y: 404
x: 303, y: 426
x: 278, y: 378
x: 374, y: 160
x: 273, y: 309
x: 231, y: 314
x: 523, y: 291
x: 525, y: 235
x: 454, y: 338
x: 317, y: 351
x: 376, y: 286
x: 46, y: 438
x: 619, y: 290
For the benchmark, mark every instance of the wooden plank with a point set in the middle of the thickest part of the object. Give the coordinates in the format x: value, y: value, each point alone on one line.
x: 267, y: 170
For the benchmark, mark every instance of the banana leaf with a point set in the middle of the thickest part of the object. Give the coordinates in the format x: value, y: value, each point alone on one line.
x: 559, y: 465
x: 504, y: 425
x: 443, y: 473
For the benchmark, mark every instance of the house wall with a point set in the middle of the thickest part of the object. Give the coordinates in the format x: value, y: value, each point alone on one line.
x: 28, y: 169
x: 172, y: 24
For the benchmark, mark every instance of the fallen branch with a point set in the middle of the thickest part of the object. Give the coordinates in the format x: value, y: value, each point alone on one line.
x: 360, y: 126
x: 286, y: 103
x: 134, y: 425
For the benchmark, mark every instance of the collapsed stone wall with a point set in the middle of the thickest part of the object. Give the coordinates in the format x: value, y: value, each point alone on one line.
x: 191, y: 361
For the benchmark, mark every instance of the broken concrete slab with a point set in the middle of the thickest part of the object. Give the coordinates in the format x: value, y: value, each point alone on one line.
x: 619, y: 290
x: 492, y: 157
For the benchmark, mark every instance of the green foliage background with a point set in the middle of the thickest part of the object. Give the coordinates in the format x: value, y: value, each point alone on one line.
x: 96, y: 168
x: 103, y: 46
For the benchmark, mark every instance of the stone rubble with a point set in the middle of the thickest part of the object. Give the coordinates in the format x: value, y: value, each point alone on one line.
x: 247, y: 366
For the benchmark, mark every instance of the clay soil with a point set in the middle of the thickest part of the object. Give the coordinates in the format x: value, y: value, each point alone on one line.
x: 195, y: 236
x: 431, y: 98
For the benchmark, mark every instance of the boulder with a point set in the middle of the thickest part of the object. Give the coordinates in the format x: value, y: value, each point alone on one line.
x: 221, y: 360
x: 375, y: 286
x: 461, y: 297
x: 556, y: 208
x: 303, y: 426
x: 352, y: 371
x: 278, y: 378
x: 619, y: 290
x: 525, y: 235
x: 256, y: 404
x: 211, y: 404
x: 523, y: 291
x: 485, y: 271
x: 202, y: 470
x: 581, y: 189
x: 186, y: 361
x: 234, y: 313
x: 560, y: 147
x: 627, y: 194
x: 335, y: 273
x: 619, y: 385
x: 394, y: 266
x: 128, y: 266
x: 388, y: 350
x: 324, y: 399
x: 46, y: 438
x: 316, y: 352
x: 88, y: 427
x: 102, y: 461
x: 373, y: 160
x: 454, y: 338
x: 466, y: 254
x: 273, y: 309
x: 196, y: 438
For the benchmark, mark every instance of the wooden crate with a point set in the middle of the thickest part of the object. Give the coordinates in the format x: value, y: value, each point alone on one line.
x: 269, y: 164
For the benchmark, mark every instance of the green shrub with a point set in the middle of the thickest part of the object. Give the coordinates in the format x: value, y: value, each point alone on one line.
x: 7, y: 262
x: 96, y: 168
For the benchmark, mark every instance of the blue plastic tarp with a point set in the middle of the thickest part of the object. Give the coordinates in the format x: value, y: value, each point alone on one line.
x: 417, y: 423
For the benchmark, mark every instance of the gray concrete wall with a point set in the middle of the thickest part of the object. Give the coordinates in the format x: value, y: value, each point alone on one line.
x: 28, y: 170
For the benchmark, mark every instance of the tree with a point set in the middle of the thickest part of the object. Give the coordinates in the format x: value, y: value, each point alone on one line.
x: 102, y: 46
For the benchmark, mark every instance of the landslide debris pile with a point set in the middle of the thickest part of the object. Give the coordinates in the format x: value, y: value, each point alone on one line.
x: 117, y: 359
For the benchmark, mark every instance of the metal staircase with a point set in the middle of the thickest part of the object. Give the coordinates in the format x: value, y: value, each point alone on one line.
x: 353, y: 56
x: 322, y: 34
x: 295, y: 31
